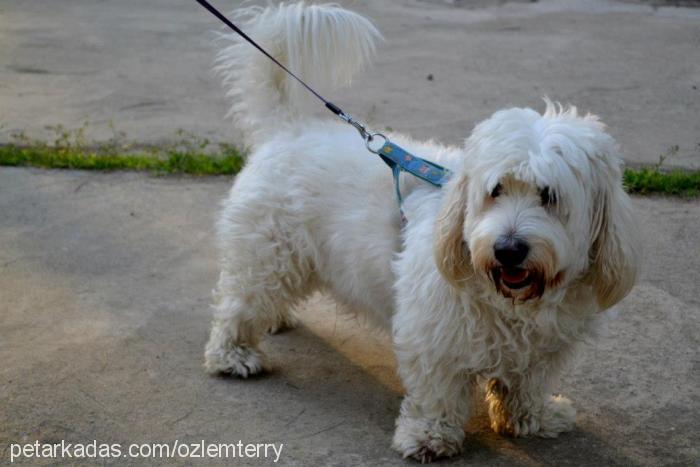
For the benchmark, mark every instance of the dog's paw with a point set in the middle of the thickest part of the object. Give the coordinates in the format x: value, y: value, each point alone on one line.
x: 523, y: 426
x: 236, y: 361
x: 427, y: 440
x: 558, y: 416
x: 286, y: 323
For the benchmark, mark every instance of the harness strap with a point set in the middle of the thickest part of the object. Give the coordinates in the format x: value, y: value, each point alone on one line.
x: 427, y: 171
x: 398, y: 159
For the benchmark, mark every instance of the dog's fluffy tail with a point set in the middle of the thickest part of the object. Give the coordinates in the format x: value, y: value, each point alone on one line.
x: 324, y: 45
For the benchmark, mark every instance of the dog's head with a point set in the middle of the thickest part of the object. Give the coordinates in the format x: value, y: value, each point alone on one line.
x: 539, y: 205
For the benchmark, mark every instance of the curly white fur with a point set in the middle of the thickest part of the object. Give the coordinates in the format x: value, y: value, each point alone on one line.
x: 314, y: 210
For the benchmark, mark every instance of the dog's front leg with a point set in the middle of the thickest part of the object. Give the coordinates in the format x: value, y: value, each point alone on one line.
x: 525, y: 406
x: 427, y: 432
x: 436, y: 406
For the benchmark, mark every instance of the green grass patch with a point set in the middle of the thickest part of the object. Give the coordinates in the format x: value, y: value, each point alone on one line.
x: 193, y: 155
x: 69, y: 150
x: 167, y: 162
x: 652, y: 180
x: 229, y: 161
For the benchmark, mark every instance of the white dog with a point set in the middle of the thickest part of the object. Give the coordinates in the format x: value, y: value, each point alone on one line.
x: 494, y: 279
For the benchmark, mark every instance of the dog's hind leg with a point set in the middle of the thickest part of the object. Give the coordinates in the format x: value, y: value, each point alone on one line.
x: 262, y: 278
x: 237, y: 328
x: 241, y: 320
x: 285, y: 322
x: 233, y: 343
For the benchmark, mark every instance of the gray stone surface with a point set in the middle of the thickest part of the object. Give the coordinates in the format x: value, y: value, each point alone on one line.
x: 105, y: 279
x: 144, y: 66
x: 104, y: 293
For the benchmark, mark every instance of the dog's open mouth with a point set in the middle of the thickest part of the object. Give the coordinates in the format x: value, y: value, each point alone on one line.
x: 513, y: 278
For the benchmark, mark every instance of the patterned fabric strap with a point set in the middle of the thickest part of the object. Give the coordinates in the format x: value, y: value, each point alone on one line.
x: 399, y: 160
x: 427, y: 171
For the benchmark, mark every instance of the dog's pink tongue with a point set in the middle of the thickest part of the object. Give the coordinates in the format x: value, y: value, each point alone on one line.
x: 514, y: 275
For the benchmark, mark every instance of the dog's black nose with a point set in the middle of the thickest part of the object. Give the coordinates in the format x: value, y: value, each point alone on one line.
x: 510, y: 251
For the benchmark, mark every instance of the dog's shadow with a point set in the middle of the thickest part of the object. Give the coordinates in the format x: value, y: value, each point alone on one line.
x: 334, y: 392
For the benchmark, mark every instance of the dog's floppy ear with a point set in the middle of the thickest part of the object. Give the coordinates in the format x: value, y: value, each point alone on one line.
x: 616, y: 250
x: 450, y: 249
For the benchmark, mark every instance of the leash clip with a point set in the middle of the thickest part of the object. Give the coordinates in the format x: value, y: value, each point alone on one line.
x: 364, y: 134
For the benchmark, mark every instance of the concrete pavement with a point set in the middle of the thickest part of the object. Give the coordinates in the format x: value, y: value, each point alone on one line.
x: 105, y: 279
x: 105, y: 283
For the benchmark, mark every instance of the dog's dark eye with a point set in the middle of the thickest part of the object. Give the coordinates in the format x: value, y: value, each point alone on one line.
x: 496, y: 192
x: 547, y: 197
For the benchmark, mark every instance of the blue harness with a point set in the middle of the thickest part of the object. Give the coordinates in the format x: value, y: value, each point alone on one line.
x: 398, y: 159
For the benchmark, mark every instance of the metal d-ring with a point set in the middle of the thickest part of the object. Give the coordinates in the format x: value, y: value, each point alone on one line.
x: 372, y: 144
